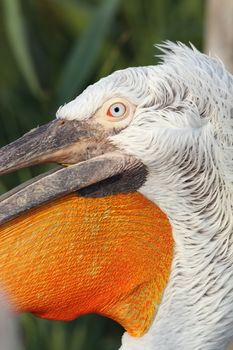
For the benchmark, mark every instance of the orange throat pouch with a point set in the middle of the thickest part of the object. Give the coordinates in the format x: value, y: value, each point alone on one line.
x: 74, y: 256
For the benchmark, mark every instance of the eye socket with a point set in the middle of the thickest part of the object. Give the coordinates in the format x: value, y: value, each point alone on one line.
x: 117, y: 110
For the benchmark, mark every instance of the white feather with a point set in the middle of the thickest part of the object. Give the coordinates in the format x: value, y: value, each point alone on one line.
x: 183, y: 131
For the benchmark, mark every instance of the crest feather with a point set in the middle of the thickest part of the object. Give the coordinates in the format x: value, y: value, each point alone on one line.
x: 211, y: 85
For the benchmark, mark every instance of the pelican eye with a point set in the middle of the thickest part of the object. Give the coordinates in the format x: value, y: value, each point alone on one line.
x: 117, y: 110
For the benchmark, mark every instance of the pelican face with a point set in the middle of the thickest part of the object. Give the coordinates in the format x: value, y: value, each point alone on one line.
x: 85, y: 143
x: 76, y: 141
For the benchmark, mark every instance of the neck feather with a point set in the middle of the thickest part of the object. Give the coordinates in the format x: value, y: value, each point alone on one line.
x: 196, y: 311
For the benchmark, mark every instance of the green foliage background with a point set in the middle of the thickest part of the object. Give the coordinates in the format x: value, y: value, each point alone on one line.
x: 49, y: 51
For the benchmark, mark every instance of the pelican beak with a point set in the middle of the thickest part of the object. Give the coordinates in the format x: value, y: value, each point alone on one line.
x: 82, y: 145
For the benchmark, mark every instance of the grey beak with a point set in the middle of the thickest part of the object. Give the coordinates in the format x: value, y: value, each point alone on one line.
x: 50, y: 143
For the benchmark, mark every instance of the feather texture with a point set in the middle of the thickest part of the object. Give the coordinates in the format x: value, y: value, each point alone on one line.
x: 182, y: 131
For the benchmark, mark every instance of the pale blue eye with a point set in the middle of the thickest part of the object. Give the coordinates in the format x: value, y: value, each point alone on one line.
x: 116, y: 110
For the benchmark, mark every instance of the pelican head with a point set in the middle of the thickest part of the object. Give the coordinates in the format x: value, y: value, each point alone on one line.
x: 166, y: 132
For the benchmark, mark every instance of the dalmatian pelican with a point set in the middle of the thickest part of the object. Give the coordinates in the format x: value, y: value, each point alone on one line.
x: 165, y: 132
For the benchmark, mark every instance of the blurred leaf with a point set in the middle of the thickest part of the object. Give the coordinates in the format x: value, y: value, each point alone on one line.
x: 58, y: 337
x: 83, y: 56
x: 3, y: 188
x: 30, y: 331
x: 78, y: 338
x: 76, y: 16
x: 14, y: 23
x: 24, y: 175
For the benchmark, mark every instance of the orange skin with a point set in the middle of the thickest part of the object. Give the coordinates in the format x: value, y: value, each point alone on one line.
x: 77, y: 255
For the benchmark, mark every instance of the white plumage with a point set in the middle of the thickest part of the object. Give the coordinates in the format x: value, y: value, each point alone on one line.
x: 182, y: 131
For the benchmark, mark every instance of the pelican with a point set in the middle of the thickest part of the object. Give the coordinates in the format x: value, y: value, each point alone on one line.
x: 165, y: 132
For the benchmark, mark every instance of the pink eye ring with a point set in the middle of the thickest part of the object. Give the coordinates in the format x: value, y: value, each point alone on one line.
x: 117, y: 110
